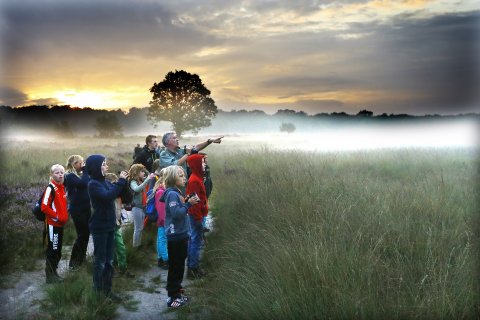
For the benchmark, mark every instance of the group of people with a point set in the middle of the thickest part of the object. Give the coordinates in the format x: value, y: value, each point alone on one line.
x: 179, y: 184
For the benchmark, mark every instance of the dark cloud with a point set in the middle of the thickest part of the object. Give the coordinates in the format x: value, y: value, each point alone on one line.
x: 12, y: 97
x: 102, y: 29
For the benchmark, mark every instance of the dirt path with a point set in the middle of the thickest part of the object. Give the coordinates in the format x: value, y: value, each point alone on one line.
x: 22, y: 299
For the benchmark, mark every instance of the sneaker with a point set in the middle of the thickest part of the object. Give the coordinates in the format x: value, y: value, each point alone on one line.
x: 175, y: 302
x: 114, y: 297
x: 127, y: 274
x: 184, y: 297
x: 195, y: 273
x: 55, y: 278
x: 205, y: 229
x: 162, y: 264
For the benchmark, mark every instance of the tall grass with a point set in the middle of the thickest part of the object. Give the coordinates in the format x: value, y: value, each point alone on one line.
x: 353, y: 235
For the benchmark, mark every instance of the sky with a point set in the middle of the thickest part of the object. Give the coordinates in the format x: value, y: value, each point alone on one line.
x: 411, y: 56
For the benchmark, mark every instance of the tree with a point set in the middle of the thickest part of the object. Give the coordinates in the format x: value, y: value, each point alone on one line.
x: 108, y: 126
x: 63, y: 129
x: 182, y: 99
x: 364, y: 113
x: 287, y: 127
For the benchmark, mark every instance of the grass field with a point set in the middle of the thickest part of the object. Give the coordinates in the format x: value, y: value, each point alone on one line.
x: 302, y: 234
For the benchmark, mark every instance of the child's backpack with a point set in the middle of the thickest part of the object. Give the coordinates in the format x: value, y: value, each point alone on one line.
x: 150, y: 210
x: 37, y: 207
x: 127, y: 197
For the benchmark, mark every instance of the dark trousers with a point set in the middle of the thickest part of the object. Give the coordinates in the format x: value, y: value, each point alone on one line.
x: 79, y: 250
x: 53, y: 254
x: 177, y: 253
x: 103, y: 247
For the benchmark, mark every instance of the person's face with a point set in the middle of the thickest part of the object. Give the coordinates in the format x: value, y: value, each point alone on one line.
x: 153, y: 144
x: 173, y: 141
x: 77, y: 165
x: 142, y: 175
x: 58, y: 174
x: 104, y: 167
x: 181, y: 179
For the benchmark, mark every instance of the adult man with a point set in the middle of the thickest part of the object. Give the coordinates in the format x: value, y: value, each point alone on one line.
x: 175, y: 155
x: 148, y: 154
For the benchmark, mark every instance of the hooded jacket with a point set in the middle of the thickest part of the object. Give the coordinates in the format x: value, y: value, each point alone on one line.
x: 77, y: 191
x: 56, y: 213
x: 195, y: 184
x: 177, y: 225
x: 102, y: 195
x: 160, y: 206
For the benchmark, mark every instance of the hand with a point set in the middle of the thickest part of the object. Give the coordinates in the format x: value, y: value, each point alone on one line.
x: 151, y: 176
x: 124, y: 174
x: 217, y: 140
x: 193, y: 200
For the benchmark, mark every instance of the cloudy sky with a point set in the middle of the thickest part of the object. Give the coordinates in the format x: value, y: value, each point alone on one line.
x: 410, y: 56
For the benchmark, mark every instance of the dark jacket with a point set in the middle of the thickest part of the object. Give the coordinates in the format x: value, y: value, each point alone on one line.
x: 102, y: 196
x: 146, y: 157
x: 195, y: 185
x: 77, y: 192
x: 177, y: 225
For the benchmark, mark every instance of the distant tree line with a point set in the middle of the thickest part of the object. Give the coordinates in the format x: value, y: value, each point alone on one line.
x: 71, y: 121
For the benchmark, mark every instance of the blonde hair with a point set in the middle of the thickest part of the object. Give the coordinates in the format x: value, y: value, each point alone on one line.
x: 56, y: 166
x: 71, y: 161
x: 135, y: 170
x: 112, y: 177
x: 160, y: 181
x: 172, y: 173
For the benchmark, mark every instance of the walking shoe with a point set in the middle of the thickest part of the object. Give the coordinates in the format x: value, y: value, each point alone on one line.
x: 205, y: 229
x: 162, y: 264
x: 175, y: 302
x: 54, y: 278
x: 113, y: 297
x: 127, y: 274
x: 195, y: 273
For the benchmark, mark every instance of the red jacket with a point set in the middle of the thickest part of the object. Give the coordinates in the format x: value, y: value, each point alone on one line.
x: 56, y: 214
x: 195, y: 184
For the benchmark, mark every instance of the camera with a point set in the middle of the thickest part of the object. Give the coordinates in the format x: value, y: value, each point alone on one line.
x: 194, y: 194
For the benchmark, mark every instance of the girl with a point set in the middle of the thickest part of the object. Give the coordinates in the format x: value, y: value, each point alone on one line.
x: 138, y: 184
x: 158, y: 190
x: 76, y: 182
x: 176, y: 229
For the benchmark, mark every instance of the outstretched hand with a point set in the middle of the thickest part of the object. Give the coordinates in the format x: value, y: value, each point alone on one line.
x: 217, y: 140
x: 124, y: 174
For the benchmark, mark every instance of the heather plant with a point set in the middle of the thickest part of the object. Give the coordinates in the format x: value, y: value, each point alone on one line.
x: 390, y: 233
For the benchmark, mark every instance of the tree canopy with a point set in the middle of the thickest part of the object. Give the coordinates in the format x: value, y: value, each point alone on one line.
x: 108, y: 126
x: 182, y: 99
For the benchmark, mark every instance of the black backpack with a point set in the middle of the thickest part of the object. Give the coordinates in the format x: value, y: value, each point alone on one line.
x: 37, y: 208
x: 127, y: 197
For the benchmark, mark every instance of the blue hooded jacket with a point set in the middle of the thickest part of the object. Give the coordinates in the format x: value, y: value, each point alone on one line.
x: 102, y: 195
x: 77, y: 192
x: 177, y: 224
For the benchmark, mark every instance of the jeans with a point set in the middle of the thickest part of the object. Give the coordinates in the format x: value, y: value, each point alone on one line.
x: 103, y: 247
x: 196, y: 242
x: 138, y: 217
x: 162, y: 252
x: 79, y: 250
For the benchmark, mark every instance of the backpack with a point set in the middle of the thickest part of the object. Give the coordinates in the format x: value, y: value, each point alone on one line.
x: 37, y: 207
x: 150, y: 210
x: 127, y: 197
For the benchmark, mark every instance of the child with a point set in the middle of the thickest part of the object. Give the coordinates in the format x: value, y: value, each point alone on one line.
x: 102, y: 223
x: 55, y: 208
x: 120, y: 252
x: 159, y: 190
x: 76, y: 182
x: 176, y: 224
x: 196, y: 214
x: 138, y: 184
x: 207, y: 181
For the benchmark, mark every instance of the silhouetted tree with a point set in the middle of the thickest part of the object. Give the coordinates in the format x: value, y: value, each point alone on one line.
x: 63, y: 129
x: 108, y: 126
x: 182, y: 99
x: 364, y: 113
x: 287, y: 127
